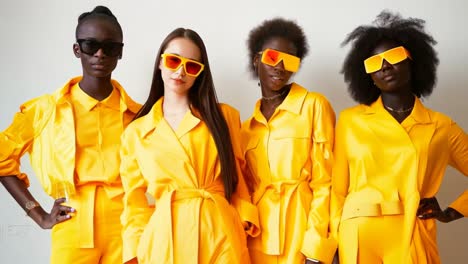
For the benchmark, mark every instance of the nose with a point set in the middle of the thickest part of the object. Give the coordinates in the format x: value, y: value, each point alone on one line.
x: 386, y: 65
x: 181, y: 70
x: 99, y: 53
x: 280, y: 66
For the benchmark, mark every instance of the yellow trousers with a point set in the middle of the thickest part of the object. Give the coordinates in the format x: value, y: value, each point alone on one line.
x: 378, y: 240
x: 258, y: 257
x: 107, y: 248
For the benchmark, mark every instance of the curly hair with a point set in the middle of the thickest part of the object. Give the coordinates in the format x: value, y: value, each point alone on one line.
x: 407, y: 32
x: 276, y: 27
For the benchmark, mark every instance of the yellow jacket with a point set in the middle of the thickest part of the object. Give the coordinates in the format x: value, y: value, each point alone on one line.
x: 191, y: 221
x: 44, y: 127
x: 290, y: 158
x: 385, y: 168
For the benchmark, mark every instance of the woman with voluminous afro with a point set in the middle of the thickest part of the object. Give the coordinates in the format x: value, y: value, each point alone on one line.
x: 391, y: 151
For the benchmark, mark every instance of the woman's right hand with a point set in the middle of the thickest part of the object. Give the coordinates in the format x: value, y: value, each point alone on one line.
x: 59, y: 213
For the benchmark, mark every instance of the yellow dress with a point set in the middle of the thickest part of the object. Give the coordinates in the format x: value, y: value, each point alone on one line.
x: 290, y: 158
x: 68, y: 146
x: 191, y: 220
x: 383, y: 168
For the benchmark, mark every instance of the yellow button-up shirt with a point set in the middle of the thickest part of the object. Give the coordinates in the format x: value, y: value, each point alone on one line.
x: 72, y: 139
x: 385, y: 168
x: 98, y: 127
x: 290, y: 158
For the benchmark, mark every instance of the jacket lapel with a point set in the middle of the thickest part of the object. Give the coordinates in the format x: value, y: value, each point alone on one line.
x: 421, y: 129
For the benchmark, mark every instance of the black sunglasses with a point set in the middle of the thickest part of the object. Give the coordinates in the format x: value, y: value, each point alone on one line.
x: 91, y: 46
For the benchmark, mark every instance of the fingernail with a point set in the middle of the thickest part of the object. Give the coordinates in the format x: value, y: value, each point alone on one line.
x: 72, y: 210
x: 68, y: 216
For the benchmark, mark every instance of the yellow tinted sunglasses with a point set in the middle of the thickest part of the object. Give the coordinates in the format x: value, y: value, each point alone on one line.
x: 273, y: 57
x: 392, y: 56
x: 173, y: 62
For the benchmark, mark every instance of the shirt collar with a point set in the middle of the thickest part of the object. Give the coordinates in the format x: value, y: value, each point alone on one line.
x: 126, y: 103
x: 112, y: 101
x: 155, y: 115
x: 292, y: 103
x: 419, y: 114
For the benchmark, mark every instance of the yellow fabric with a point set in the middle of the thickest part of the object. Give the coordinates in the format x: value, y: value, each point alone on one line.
x: 108, y: 239
x: 377, y: 239
x: 368, y: 209
x: 46, y: 128
x: 378, y: 160
x: 191, y: 221
x: 290, y: 158
x: 98, y: 128
x: 461, y: 204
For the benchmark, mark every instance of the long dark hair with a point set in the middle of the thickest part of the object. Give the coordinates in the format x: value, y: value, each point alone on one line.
x: 202, y: 96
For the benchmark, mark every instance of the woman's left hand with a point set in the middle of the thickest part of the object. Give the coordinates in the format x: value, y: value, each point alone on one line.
x: 430, y: 208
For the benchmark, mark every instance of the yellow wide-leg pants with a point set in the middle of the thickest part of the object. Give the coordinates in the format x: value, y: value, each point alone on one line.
x: 106, y: 241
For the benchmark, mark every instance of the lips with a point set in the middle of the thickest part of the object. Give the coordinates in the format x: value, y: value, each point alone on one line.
x: 178, y: 81
x: 277, y: 78
x: 99, y: 66
x: 389, y: 77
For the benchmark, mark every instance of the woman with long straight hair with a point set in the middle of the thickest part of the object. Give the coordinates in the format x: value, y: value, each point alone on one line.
x: 183, y: 150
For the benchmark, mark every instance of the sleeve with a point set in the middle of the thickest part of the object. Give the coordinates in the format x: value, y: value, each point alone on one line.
x: 458, y: 143
x: 340, y: 177
x: 316, y: 243
x: 16, y: 140
x: 136, y: 212
x: 241, y: 199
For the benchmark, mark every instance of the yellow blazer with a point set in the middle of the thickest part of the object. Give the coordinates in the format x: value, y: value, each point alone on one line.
x: 290, y: 158
x: 385, y: 168
x: 191, y: 221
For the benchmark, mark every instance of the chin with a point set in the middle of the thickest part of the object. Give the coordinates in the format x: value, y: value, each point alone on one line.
x: 276, y: 87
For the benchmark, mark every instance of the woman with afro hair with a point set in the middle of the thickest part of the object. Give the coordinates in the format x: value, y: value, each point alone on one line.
x: 391, y: 151
x: 288, y: 144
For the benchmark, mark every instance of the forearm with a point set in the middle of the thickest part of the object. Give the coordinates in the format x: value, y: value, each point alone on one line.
x: 23, y: 197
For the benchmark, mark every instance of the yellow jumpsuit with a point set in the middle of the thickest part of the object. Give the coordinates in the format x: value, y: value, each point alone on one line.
x: 74, y: 140
x: 382, y: 170
x: 290, y: 158
x: 191, y: 220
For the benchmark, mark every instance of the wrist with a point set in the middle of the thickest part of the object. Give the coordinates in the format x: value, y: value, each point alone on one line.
x: 38, y: 215
x: 30, y: 205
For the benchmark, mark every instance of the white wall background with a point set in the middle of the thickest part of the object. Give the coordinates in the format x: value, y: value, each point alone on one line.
x: 36, y: 58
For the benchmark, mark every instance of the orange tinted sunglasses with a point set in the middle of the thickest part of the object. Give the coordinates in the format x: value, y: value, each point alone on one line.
x: 273, y: 57
x: 392, y: 56
x: 174, y: 62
